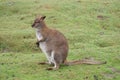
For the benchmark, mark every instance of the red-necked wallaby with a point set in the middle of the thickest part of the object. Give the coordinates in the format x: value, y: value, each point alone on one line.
x: 54, y: 45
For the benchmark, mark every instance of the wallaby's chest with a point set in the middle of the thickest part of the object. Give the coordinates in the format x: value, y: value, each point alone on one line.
x: 39, y: 35
x: 42, y: 45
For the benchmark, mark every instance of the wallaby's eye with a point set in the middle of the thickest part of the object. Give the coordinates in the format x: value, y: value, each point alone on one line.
x: 36, y: 21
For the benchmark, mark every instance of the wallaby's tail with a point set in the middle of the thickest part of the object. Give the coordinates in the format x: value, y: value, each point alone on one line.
x: 84, y: 61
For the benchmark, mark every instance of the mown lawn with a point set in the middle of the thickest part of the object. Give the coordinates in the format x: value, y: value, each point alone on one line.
x: 92, y: 28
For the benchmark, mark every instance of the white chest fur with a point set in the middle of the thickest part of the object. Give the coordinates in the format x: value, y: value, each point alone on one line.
x: 38, y: 35
x: 42, y: 45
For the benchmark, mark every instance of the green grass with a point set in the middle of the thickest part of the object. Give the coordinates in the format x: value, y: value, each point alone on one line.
x: 92, y: 28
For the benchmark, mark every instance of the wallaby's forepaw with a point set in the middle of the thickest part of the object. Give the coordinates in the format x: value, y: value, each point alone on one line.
x: 37, y: 43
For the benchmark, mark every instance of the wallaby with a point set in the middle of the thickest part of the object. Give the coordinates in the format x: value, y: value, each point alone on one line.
x: 55, y: 46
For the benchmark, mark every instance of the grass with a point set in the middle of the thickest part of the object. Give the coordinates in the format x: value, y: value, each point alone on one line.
x: 91, y: 26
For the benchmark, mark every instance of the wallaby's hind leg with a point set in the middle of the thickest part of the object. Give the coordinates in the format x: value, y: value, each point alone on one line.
x: 55, y: 61
x: 56, y: 66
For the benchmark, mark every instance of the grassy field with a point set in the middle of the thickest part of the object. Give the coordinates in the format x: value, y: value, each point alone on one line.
x: 92, y: 28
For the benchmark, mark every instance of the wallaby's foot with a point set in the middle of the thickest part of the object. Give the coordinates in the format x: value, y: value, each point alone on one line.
x: 56, y: 67
x: 42, y: 63
x: 52, y: 68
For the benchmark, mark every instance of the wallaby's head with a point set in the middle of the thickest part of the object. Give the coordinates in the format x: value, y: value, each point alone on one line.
x: 38, y: 22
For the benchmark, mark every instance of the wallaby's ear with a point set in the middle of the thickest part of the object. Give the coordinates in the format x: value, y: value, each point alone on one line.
x: 43, y: 17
